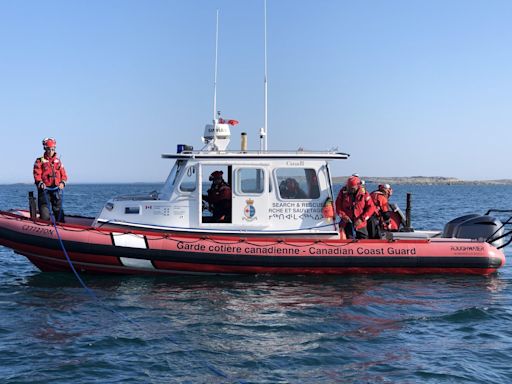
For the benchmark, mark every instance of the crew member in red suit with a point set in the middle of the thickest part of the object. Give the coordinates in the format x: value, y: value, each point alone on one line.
x: 50, y: 178
x: 355, y: 207
x: 380, y: 198
x: 219, y: 198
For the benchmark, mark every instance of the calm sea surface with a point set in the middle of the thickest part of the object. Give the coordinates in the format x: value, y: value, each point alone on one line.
x: 258, y: 329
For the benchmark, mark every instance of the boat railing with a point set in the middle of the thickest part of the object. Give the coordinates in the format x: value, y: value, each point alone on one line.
x: 506, y: 226
x: 274, y: 154
x: 153, y: 195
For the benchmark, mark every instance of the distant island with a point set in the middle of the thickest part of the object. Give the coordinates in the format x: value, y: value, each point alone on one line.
x: 424, y: 180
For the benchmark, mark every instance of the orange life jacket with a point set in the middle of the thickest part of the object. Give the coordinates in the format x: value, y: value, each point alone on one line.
x: 380, y: 199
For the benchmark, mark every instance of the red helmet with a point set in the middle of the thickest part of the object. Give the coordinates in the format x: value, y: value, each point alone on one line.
x: 353, y: 181
x: 49, y: 142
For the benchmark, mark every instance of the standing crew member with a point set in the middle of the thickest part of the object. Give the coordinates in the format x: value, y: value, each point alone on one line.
x: 380, y: 198
x: 355, y: 207
x: 219, y: 198
x: 50, y: 177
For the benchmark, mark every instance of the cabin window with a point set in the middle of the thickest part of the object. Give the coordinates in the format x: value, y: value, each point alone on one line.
x: 189, y: 183
x: 251, y: 180
x: 166, y: 191
x: 297, y: 183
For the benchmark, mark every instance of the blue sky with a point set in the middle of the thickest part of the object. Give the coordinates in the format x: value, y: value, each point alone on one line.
x: 406, y: 87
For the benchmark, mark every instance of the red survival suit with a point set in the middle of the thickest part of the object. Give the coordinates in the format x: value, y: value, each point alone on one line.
x: 380, y: 199
x: 388, y: 219
x: 49, y: 173
x: 354, y: 207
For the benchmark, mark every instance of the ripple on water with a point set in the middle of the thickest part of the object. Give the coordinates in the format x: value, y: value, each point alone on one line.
x: 257, y: 329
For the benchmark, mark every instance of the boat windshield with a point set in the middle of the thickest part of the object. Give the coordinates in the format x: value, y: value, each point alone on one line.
x: 167, y: 189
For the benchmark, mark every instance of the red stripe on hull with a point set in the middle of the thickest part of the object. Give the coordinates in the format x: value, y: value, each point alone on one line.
x: 55, y: 260
x: 92, y: 250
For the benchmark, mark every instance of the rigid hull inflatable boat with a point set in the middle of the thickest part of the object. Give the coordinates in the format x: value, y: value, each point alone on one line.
x: 266, y: 231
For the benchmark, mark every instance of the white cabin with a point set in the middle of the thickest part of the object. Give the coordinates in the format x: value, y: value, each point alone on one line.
x: 260, y: 202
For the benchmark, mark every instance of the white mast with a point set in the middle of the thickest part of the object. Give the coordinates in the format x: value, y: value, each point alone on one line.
x: 217, y: 135
x: 215, y: 76
x: 265, y: 126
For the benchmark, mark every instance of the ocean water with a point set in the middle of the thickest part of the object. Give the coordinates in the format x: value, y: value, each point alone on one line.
x: 258, y: 329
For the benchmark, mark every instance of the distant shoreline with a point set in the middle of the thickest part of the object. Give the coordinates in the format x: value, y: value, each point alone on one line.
x: 99, y: 183
x: 418, y: 180
x: 424, y: 180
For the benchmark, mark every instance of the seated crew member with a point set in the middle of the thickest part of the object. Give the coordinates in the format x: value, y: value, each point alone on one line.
x: 50, y: 177
x: 380, y: 198
x: 290, y: 189
x: 219, y: 198
x: 355, y: 207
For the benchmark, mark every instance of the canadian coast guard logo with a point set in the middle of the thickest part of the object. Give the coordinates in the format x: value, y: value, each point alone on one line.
x: 249, y: 210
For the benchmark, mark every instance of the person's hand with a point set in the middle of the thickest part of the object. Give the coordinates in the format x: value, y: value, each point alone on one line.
x: 41, y: 185
x: 358, y: 223
x: 345, y: 217
x: 61, y: 185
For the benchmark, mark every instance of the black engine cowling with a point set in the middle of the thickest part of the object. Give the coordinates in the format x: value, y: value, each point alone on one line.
x: 474, y: 226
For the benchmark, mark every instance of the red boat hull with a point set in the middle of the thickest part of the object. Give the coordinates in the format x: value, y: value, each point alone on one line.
x: 108, y: 250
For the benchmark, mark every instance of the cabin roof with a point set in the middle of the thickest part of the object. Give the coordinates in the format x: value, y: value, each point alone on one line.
x: 275, y: 155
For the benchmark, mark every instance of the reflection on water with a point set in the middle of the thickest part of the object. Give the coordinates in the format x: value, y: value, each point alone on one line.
x: 258, y: 329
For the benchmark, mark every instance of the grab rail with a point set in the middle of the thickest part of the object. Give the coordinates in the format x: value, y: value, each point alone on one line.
x: 507, y: 224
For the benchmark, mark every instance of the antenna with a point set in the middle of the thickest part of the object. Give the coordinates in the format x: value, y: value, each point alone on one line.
x: 215, y: 76
x: 265, y: 126
x: 217, y: 135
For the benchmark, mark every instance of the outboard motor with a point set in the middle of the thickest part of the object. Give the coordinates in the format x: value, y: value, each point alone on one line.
x: 474, y: 226
x: 450, y: 228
